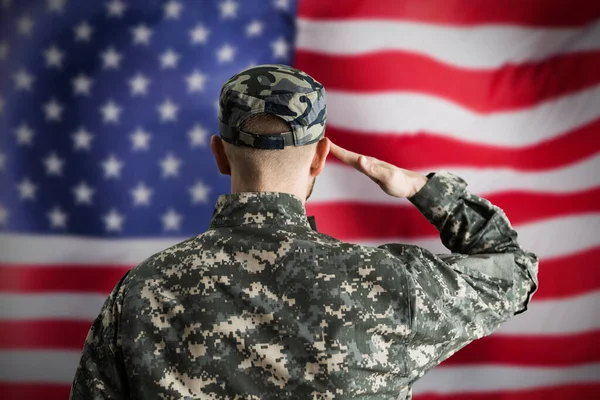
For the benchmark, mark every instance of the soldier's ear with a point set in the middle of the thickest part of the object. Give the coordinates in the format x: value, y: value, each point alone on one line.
x: 318, y: 162
x: 218, y: 149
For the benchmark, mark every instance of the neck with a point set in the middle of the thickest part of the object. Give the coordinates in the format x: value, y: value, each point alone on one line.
x: 240, y: 186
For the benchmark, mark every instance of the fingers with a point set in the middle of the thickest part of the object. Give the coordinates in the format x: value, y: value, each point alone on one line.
x: 347, y: 156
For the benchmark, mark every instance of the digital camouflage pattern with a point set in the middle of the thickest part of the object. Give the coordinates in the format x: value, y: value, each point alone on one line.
x: 261, y: 306
x: 280, y: 90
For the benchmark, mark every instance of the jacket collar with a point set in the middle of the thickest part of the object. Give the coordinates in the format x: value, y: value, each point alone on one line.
x: 260, y: 209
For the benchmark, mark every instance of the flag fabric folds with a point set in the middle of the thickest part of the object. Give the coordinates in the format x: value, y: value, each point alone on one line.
x: 107, y: 108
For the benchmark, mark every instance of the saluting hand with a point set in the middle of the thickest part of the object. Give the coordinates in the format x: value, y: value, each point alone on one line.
x: 394, y: 181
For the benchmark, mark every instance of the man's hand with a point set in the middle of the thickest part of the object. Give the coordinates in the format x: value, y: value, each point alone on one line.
x: 394, y: 181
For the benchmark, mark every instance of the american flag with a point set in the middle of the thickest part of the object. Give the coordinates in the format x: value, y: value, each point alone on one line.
x: 106, y: 108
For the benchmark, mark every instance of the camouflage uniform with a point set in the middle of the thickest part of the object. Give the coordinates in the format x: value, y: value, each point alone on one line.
x: 262, y: 306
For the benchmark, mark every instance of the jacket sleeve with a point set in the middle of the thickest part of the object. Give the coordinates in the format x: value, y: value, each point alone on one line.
x: 459, y: 297
x: 100, y: 373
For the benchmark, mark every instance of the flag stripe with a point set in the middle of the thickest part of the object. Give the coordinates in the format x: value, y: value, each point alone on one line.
x: 467, y: 47
x: 490, y: 377
x: 541, y: 318
x: 428, y: 150
x: 461, y: 86
x: 577, y: 391
x: 549, y: 351
x: 581, y: 176
x: 98, y: 279
x: 561, y: 236
x: 458, y: 12
x: 51, y: 366
x: 544, y: 351
x: 352, y: 220
x: 31, y: 390
x: 409, y: 113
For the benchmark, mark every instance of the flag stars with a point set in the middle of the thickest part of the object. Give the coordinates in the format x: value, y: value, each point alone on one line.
x: 280, y: 48
x: 141, y: 34
x: 54, y: 57
x: 83, y: 32
x: 112, y: 167
x: 226, y: 53
x: 140, y: 139
x: 173, y: 9
x: 57, y: 6
x: 171, y: 220
x: 199, y: 34
x: 4, y: 50
x: 170, y: 166
x: 54, y: 165
x: 24, y: 135
x: 25, y: 25
x: 254, y: 28
x: 139, y: 85
x: 282, y: 4
x: 113, y: 221
x: 228, y: 9
x: 196, y: 81
x: 83, y: 194
x: 199, y: 193
x: 58, y: 218
x: 111, y: 112
x: 82, y: 139
x: 168, y: 111
x: 169, y: 59
x: 27, y: 189
x: 23, y: 80
x: 53, y: 110
x: 111, y: 59
x: 116, y: 8
x: 141, y: 195
x: 82, y: 85
x: 198, y: 136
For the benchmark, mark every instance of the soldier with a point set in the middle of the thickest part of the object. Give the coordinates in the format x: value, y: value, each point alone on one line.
x: 263, y: 306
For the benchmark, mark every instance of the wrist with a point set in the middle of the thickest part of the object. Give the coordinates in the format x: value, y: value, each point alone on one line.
x: 417, y: 181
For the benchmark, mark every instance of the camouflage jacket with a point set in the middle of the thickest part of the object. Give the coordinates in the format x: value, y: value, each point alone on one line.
x: 262, y: 306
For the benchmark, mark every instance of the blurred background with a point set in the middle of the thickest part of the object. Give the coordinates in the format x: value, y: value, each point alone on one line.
x: 107, y: 108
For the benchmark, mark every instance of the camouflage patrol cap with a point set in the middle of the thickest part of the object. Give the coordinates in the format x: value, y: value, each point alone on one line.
x: 278, y: 90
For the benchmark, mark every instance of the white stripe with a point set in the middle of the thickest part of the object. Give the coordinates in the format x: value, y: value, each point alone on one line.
x: 551, y: 317
x: 339, y: 182
x: 548, y: 238
x: 59, y: 367
x: 39, y: 366
x: 568, y: 316
x: 22, y: 307
x: 489, y: 46
x: 404, y: 113
x: 447, y: 380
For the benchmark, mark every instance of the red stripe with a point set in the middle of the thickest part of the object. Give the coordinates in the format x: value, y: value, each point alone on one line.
x: 428, y: 150
x: 43, y: 334
x: 458, y: 12
x: 569, y: 275
x: 582, y: 391
x: 532, y: 351
x: 354, y: 221
x: 554, y: 283
x: 27, y: 391
x: 505, y: 88
x: 34, y: 391
x: 552, y: 351
x: 59, y: 278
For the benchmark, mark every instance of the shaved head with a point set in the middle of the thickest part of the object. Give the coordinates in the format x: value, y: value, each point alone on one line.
x: 260, y: 167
